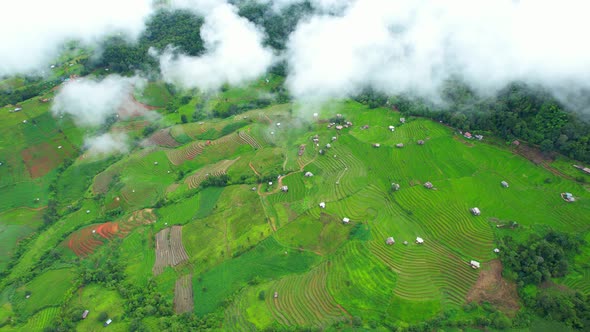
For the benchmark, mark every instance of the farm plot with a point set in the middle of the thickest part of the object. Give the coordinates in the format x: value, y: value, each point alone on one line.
x: 303, y: 300
x: 43, y: 157
x: 217, y: 169
x: 40, y: 295
x: 183, y: 294
x: 244, y: 136
x: 169, y: 249
x: 188, y: 152
x: 163, y: 138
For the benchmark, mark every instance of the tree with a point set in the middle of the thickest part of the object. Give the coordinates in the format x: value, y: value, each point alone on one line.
x: 102, y: 317
x: 183, y: 118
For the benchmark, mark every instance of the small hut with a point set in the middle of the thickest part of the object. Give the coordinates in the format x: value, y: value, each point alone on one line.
x: 419, y: 240
x: 475, y: 211
x: 420, y: 142
x: 85, y: 314
x: 270, y: 183
x: 321, y: 152
x: 308, y: 174
x: 315, y: 115
x: 504, y: 184
x: 284, y: 189
x: 568, y: 197
x: 328, y: 146
x: 345, y: 220
x: 253, y: 188
x: 474, y: 264
x: 405, y: 243
x: 322, y: 205
x: 395, y: 186
x: 391, y: 128
x: 390, y: 241
x: 428, y: 185
x: 276, y: 295
x: 155, y: 162
x: 339, y: 127
x: 402, y: 120
x: 365, y: 127
x: 496, y: 250
x: 108, y: 322
x: 334, y: 138
x: 376, y: 145
x: 87, y: 211
x: 399, y: 145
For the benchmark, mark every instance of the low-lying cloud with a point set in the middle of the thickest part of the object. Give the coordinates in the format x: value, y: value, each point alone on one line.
x: 90, y: 101
x: 414, y: 46
x: 106, y: 144
x: 32, y: 31
x: 234, y: 53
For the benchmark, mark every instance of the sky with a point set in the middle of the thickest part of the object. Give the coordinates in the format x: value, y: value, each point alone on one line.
x: 343, y: 47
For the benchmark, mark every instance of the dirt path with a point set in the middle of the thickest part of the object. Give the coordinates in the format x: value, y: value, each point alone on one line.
x: 253, y: 169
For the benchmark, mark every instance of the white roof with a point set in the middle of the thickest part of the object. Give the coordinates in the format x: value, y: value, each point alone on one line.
x: 315, y: 114
x: 419, y: 240
x: 474, y: 263
x: 496, y: 250
x: 391, y: 127
x: 109, y: 321
x: 476, y: 210
x: 322, y: 205
x: 345, y: 220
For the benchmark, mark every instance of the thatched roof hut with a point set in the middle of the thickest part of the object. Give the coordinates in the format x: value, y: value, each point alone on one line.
x: 284, y: 189
x: 475, y: 211
x: 390, y: 241
x: 428, y: 185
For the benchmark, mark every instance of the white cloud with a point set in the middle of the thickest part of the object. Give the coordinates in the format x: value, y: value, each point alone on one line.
x: 106, y: 144
x: 399, y: 46
x: 31, y: 30
x: 234, y: 53
x: 90, y: 102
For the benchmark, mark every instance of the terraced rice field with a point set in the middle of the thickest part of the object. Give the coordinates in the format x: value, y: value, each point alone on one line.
x: 194, y: 180
x: 183, y: 294
x: 169, y: 249
x: 303, y: 300
x: 188, y: 152
x: 163, y: 138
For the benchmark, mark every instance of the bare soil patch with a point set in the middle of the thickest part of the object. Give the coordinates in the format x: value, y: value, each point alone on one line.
x: 169, y: 249
x: 491, y: 287
x: 183, y: 294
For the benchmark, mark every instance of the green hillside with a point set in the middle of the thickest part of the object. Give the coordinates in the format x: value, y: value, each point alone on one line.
x: 229, y: 202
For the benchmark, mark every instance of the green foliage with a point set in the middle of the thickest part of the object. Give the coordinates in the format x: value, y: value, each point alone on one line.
x: 539, y: 259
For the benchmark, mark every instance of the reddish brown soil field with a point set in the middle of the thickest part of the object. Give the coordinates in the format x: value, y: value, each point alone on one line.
x: 40, y: 159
